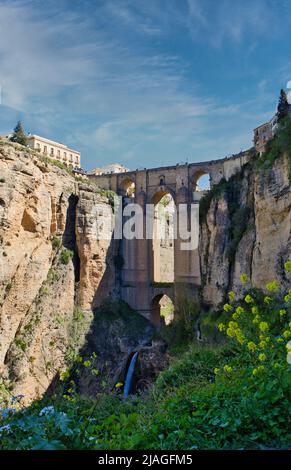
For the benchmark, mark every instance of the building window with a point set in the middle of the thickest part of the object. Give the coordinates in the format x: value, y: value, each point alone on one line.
x: 65, y: 155
x: 38, y: 146
x: 52, y: 151
x: 71, y: 157
x: 45, y: 149
x: 59, y: 153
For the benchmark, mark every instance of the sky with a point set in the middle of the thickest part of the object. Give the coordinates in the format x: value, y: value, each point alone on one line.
x: 143, y: 82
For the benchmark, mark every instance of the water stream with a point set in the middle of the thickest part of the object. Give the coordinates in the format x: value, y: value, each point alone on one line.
x: 129, y: 375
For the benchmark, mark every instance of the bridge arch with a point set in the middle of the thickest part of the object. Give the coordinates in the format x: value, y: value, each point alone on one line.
x: 162, y: 310
x: 127, y: 187
x: 163, y: 236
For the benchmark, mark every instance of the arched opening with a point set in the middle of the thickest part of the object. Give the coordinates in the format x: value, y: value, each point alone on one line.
x: 163, y: 238
x: 128, y: 188
x: 162, y: 310
x: 201, y: 184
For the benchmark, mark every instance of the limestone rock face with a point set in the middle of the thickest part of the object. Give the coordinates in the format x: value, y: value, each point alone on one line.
x: 261, y: 220
x: 39, y: 287
x: 96, y: 248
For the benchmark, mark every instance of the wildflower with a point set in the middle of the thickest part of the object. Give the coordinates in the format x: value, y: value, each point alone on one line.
x: 47, y: 410
x: 267, y: 300
x: 256, y: 319
x: 240, y: 337
x: 252, y: 346
x: 235, y: 316
x: 227, y: 369
x: 262, y: 344
x: 255, y: 371
x: 216, y: 370
x: 287, y: 298
x: 6, y: 428
x: 262, y: 357
x: 87, y: 363
x: 244, y: 278
x: 233, y: 324
x: 231, y: 296
x: 230, y: 332
x: 221, y: 327
x: 248, y: 299
x: 276, y: 365
x: 287, y: 334
x: 282, y: 312
x: 287, y: 266
x: 227, y: 308
x: 273, y: 286
x: 255, y: 310
x: 119, y: 384
x: 264, y: 326
x: 280, y: 340
x: 239, y: 310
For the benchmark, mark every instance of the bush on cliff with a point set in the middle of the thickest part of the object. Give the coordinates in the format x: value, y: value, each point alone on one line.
x: 235, y: 396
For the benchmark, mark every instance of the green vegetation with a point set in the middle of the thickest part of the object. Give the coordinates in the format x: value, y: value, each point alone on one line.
x: 56, y: 242
x: 280, y: 144
x: 66, y: 256
x: 19, y: 135
x: 234, y: 396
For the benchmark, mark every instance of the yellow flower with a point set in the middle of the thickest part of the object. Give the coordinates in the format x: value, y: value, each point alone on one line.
x: 287, y: 334
x: 256, y: 319
x: 264, y: 326
x: 118, y: 385
x: 221, y: 327
x: 252, y: 346
x: 263, y: 344
x: 233, y: 324
x: 240, y: 338
x: 216, y: 370
x: 239, y: 310
x: 273, y: 286
x: 227, y: 369
x: 262, y: 357
x: 231, y: 296
x: 287, y: 298
x: 267, y: 299
x: 244, y: 278
x: 282, y: 312
x: 235, y: 316
x: 230, y: 332
x: 255, y: 310
x: 227, y: 308
x: 255, y: 371
x: 280, y: 340
x: 287, y: 266
x: 248, y: 299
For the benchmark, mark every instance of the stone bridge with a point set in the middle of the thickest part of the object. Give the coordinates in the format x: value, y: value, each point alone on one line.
x: 138, y: 286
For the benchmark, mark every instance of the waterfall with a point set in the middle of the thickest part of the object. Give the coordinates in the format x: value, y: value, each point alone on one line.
x: 129, y: 375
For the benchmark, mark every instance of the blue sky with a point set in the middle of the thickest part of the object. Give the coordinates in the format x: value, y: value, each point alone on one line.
x: 143, y: 82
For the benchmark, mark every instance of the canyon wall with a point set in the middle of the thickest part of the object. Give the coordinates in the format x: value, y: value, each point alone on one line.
x: 247, y: 229
x: 49, y: 263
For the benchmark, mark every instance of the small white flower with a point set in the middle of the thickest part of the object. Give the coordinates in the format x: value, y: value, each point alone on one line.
x: 6, y: 428
x: 47, y: 410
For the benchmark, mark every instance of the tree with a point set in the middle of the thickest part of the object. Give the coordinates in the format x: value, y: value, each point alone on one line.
x: 283, y: 106
x: 18, y: 135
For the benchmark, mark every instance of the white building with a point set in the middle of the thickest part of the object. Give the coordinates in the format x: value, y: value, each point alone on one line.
x: 55, y: 150
x: 111, y: 168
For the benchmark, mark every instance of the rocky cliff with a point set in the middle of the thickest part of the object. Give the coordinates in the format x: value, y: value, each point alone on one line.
x: 246, y: 228
x: 46, y: 220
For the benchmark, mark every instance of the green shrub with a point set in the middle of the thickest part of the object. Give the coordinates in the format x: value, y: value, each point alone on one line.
x: 66, y: 256
x: 56, y: 242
